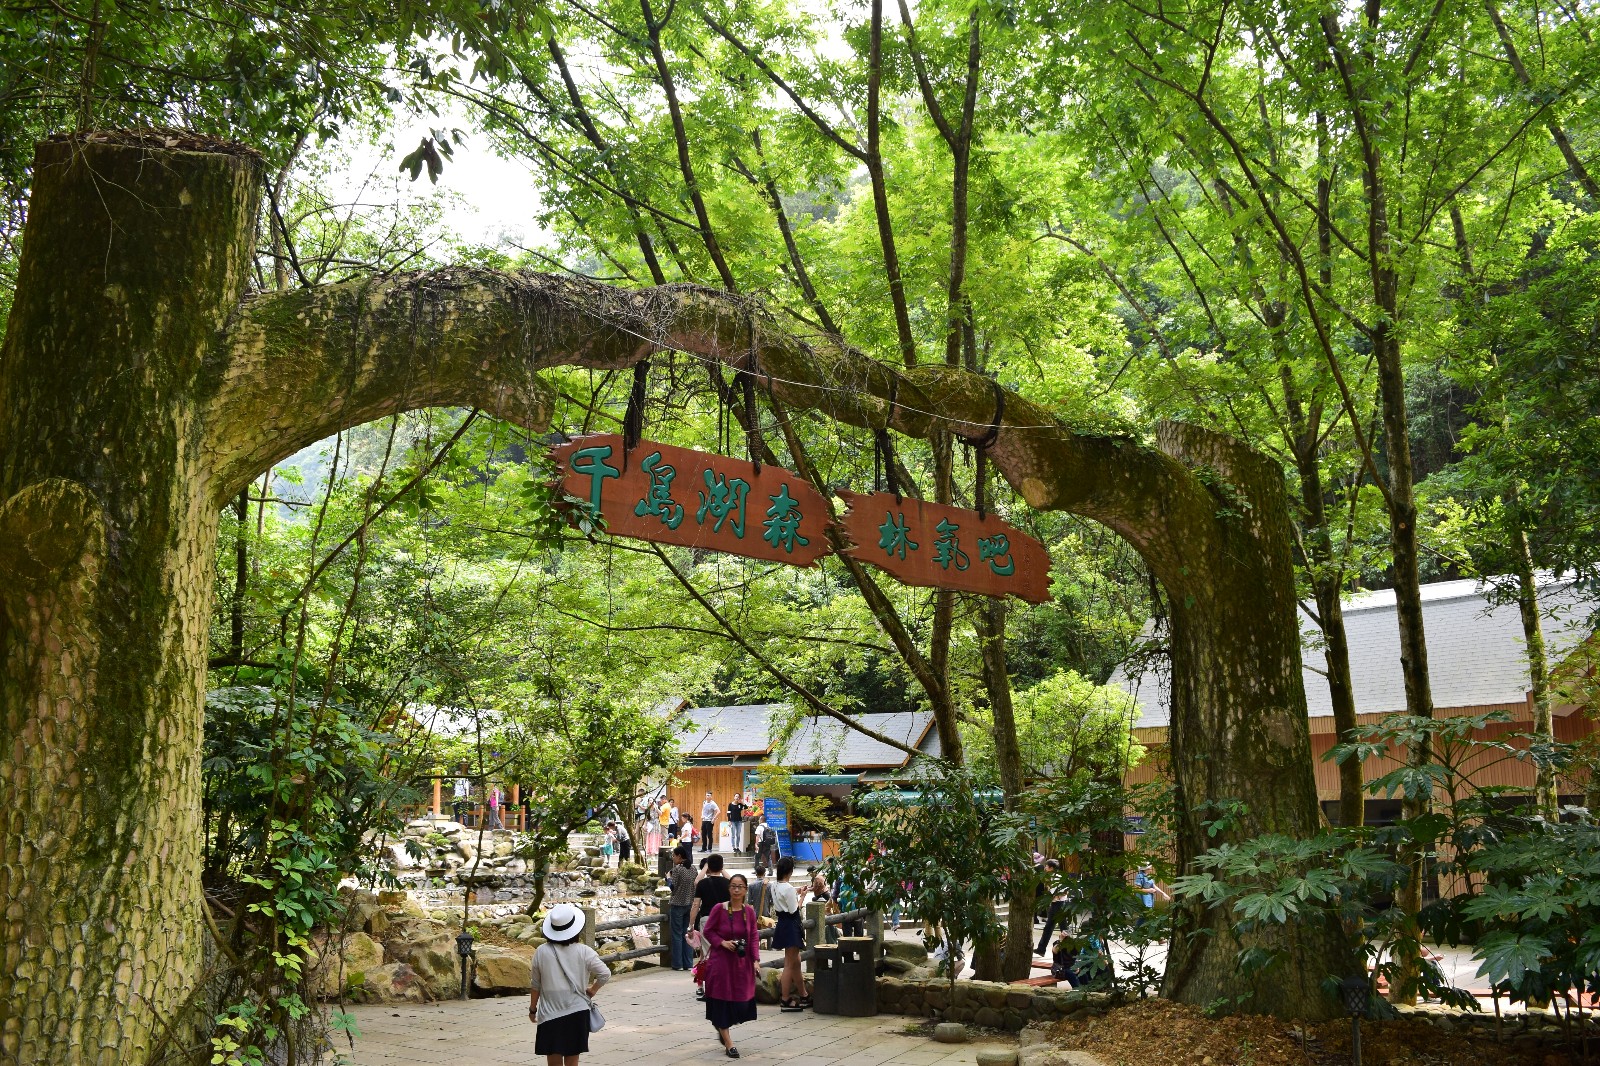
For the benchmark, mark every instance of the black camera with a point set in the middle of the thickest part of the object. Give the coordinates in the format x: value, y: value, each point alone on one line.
x: 740, y: 946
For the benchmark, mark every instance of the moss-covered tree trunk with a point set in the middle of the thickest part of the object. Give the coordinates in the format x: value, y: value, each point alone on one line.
x: 138, y: 396
x: 1238, y: 728
x: 132, y: 262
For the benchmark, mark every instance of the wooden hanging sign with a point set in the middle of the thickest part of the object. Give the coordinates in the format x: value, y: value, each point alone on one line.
x: 937, y: 546
x: 695, y: 499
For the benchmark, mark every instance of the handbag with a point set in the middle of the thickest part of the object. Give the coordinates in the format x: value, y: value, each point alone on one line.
x: 597, y: 1020
x: 692, y: 938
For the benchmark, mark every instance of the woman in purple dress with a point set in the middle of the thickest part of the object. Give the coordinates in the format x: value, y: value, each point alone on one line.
x: 734, y: 955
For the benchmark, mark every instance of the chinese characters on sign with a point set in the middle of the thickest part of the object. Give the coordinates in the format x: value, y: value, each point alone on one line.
x: 699, y: 500
x: 938, y: 546
x: 695, y: 499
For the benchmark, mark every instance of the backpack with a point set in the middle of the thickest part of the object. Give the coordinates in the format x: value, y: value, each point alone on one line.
x: 770, y: 836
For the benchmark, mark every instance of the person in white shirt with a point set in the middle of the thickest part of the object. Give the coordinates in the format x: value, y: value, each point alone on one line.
x: 708, y: 823
x: 789, y: 936
x: 566, y: 975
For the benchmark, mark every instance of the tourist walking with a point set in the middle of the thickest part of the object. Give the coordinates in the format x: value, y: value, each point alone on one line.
x: 710, y: 890
x: 732, y: 937
x: 736, y: 823
x: 462, y: 795
x: 761, y: 897
x: 788, y: 937
x: 493, y: 799
x: 566, y: 975
x: 708, y: 824
x: 608, y: 844
x: 1147, y: 887
x: 1058, y: 903
x: 674, y: 821
x: 681, y: 880
x: 766, y: 840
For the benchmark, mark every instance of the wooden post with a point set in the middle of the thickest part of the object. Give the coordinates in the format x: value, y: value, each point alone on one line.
x: 818, y: 933
x: 587, y: 936
x: 875, y: 931
x: 664, y: 933
x: 438, y: 789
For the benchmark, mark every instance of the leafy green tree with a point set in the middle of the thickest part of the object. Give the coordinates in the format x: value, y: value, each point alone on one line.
x: 947, y: 854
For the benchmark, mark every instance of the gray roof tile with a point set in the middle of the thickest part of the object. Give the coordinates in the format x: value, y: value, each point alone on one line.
x: 1475, y: 651
x: 712, y: 732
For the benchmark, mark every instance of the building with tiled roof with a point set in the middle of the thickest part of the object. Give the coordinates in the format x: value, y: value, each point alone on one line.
x: 1477, y: 663
x: 723, y: 746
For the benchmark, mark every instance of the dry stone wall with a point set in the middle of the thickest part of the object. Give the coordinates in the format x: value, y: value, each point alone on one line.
x: 987, y: 1004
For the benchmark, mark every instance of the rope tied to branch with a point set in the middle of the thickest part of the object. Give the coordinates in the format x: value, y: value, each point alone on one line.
x: 633, y: 418
x: 883, y: 465
x: 747, y: 381
x: 981, y: 446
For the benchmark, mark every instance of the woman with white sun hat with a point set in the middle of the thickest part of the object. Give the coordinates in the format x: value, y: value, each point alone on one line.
x: 566, y: 975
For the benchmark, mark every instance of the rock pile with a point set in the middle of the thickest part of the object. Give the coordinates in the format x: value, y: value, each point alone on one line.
x: 390, y: 948
x: 438, y: 855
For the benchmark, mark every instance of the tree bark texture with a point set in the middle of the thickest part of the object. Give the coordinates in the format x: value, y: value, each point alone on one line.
x: 139, y: 394
x: 108, y: 518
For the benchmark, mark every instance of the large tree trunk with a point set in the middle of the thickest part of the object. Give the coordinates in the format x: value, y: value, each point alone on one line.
x: 138, y: 396
x: 1238, y: 728
x: 131, y: 263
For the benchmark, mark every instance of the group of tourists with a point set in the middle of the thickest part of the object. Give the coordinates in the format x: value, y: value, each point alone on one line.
x: 664, y: 824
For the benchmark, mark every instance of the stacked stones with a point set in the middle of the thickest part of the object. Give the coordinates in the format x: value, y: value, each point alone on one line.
x: 439, y: 852
x: 987, y: 1004
x: 1530, y: 1029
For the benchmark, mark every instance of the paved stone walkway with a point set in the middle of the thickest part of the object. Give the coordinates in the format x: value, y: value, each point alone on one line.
x: 652, y: 1019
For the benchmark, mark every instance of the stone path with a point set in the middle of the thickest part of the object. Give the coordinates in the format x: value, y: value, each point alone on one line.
x: 652, y: 1019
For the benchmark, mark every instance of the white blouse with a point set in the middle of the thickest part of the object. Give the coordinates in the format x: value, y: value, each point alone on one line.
x: 785, y: 900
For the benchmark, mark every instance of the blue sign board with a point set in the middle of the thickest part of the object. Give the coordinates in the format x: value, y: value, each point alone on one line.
x: 777, y: 815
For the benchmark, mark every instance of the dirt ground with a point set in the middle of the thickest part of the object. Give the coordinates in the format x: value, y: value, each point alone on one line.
x: 1158, y: 1033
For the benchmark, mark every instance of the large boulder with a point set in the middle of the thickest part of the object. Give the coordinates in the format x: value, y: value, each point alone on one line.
x: 500, y: 973
x: 768, y: 988
x: 360, y: 905
x: 393, y: 983
x: 347, y: 966
x: 435, y: 962
x: 909, y: 950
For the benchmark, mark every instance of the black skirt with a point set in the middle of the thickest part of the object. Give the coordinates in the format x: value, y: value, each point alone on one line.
x: 566, y: 1035
x: 789, y: 933
x: 727, y: 1013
